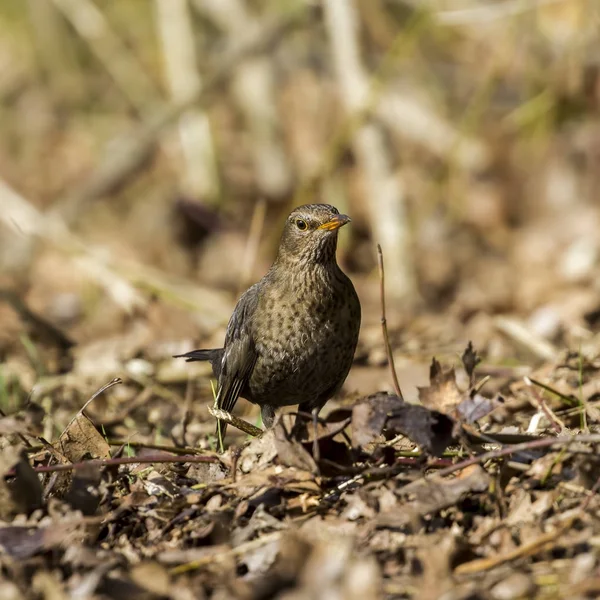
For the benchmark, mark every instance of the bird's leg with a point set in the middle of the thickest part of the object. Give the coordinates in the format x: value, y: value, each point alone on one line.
x: 315, y: 421
x: 267, y: 413
x: 300, y: 428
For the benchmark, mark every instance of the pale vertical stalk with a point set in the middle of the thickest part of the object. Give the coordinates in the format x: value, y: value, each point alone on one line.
x: 386, y: 197
x: 177, y: 38
x: 254, y: 89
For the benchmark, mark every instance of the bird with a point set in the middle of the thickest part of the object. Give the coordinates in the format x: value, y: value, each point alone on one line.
x: 292, y: 336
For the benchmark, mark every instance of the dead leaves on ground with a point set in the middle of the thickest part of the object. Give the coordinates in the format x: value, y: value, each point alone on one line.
x: 436, y: 422
x: 264, y: 520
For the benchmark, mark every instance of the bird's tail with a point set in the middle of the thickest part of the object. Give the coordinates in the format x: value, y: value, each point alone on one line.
x: 201, y: 354
x: 215, y: 357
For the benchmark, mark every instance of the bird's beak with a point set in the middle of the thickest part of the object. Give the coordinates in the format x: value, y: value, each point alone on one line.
x: 335, y: 223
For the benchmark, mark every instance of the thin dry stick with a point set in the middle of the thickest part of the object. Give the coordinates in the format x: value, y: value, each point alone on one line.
x: 508, y: 450
x: 539, y: 544
x: 540, y: 404
x: 129, y: 460
x: 230, y: 419
x: 569, y: 399
x: 592, y: 493
x: 118, y: 442
x: 386, y: 337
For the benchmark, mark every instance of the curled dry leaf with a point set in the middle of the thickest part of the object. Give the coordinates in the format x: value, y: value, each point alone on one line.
x: 290, y: 451
x: 431, y: 494
x: 475, y: 407
x: 444, y: 395
x: 429, y: 429
x: 81, y: 439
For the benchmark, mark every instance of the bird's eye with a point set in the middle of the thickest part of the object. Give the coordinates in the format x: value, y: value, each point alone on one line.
x: 301, y: 224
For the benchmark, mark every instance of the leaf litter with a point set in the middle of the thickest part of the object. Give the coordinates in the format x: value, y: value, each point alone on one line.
x: 454, y: 496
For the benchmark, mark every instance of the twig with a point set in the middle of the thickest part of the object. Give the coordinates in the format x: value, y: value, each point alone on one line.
x: 540, y: 403
x: 185, y: 450
x: 384, y: 329
x: 117, y: 276
x: 569, y: 399
x: 240, y: 424
x: 591, y: 494
x: 55, y: 51
x: 129, y: 460
x: 142, y: 445
x: 115, y: 381
x: 508, y: 450
x: 488, y: 13
x: 536, y: 545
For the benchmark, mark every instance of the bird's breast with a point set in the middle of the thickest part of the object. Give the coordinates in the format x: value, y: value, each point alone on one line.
x: 305, y: 337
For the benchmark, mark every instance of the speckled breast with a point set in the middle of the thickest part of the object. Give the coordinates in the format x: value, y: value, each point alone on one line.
x: 305, y: 342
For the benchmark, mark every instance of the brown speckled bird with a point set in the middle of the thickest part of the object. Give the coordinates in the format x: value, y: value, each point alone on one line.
x: 292, y: 336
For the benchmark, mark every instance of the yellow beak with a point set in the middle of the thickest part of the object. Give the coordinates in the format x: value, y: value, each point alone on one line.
x: 335, y: 223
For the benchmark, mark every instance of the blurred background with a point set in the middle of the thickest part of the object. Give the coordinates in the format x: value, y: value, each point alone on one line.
x: 151, y: 149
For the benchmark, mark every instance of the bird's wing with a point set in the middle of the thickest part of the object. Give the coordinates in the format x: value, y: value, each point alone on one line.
x: 239, y: 356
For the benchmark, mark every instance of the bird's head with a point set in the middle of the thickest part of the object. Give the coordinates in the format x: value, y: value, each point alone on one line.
x: 310, y: 234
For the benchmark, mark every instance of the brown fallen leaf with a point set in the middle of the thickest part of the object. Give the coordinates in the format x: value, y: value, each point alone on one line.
x: 290, y: 451
x: 443, y: 393
x: 475, y: 407
x: 445, y: 396
x: 82, y: 440
x: 435, y: 493
x: 429, y: 429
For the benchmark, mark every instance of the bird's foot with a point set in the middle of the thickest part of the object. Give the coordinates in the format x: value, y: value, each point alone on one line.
x: 236, y: 422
